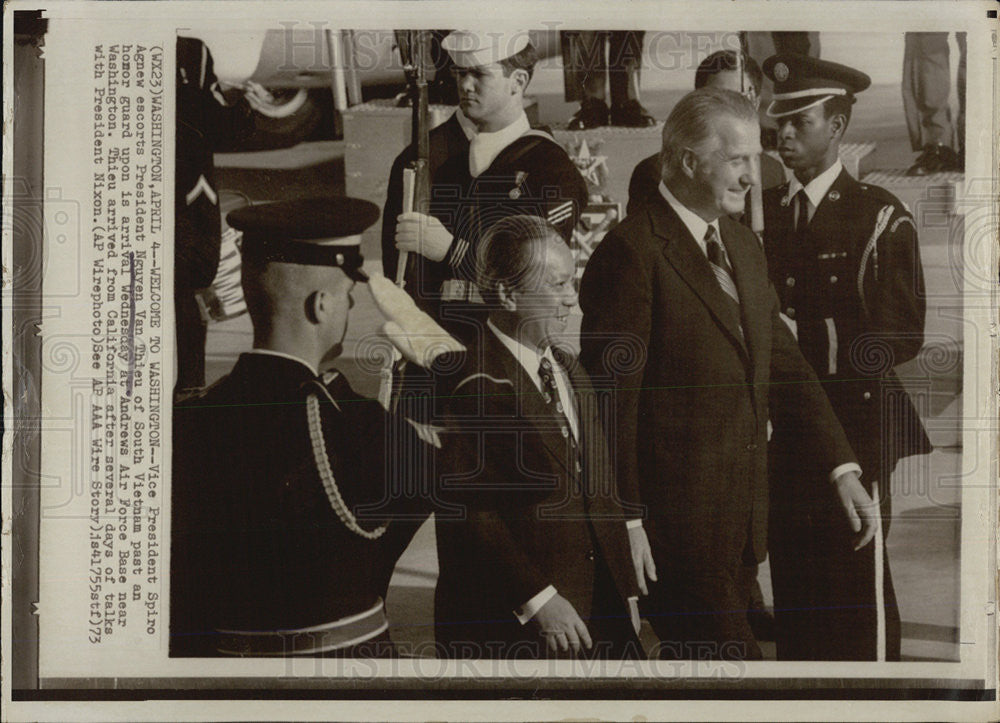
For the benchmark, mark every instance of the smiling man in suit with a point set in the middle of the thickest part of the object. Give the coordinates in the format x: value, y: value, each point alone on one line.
x: 686, y: 288
x: 538, y: 561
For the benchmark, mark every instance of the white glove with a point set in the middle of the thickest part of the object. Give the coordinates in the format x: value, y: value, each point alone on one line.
x: 422, y: 234
x: 417, y: 336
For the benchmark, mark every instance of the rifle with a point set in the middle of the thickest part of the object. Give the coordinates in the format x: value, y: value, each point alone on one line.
x: 756, y: 218
x: 414, y: 50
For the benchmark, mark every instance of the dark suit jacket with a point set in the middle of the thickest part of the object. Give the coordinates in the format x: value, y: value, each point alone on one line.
x: 692, y: 399
x: 256, y: 543
x: 873, y: 327
x: 531, y: 516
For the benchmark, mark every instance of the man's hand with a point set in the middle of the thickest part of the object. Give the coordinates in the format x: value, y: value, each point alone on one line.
x: 562, y: 627
x: 861, y: 511
x: 260, y: 99
x: 422, y: 234
x: 642, y: 557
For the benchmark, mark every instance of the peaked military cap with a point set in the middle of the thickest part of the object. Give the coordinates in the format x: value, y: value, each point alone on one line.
x: 310, y: 231
x: 801, y: 81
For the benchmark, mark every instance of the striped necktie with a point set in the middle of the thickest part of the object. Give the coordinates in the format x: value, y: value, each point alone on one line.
x: 723, y: 272
x: 720, y: 266
x: 551, y: 393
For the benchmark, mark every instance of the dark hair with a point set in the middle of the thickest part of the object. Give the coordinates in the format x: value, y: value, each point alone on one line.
x: 510, y: 250
x: 837, y: 105
x: 725, y: 60
x: 524, y: 59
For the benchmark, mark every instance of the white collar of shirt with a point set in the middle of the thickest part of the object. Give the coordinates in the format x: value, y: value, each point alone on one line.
x: 485, y: 147
x: 530, y: 360
x: 694, y: 223
x: 818, y: 187
x: 272, y: 352
x: 467, y: 126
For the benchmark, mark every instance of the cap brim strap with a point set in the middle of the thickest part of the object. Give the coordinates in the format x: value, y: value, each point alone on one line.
x: 774, y: 111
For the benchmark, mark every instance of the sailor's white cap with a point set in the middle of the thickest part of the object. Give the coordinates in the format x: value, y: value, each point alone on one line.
x: 472, y: 48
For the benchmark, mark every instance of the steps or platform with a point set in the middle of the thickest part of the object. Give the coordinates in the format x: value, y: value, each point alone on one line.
x: 936, y: 193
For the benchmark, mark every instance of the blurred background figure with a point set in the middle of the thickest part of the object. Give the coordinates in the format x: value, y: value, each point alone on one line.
x: 596, y: 60
x: 208, y: 122
x: 926, y: 85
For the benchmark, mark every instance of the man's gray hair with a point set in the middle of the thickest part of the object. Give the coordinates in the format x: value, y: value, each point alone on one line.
x: 691, y: 121
x: 512, y: 250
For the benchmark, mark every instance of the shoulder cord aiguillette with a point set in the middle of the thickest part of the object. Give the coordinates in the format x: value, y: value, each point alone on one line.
x: 326, y: 474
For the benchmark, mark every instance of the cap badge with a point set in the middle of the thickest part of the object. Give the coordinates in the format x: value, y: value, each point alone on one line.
x: 780, y: 72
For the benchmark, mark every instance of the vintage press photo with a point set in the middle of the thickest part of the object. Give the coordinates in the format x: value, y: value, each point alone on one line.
x: 602, y: 459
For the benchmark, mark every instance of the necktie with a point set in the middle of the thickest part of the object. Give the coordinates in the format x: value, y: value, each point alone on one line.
x: 720, y: 266
x: 551, y: 392
x: 723, y: 272
x: 802, y: 215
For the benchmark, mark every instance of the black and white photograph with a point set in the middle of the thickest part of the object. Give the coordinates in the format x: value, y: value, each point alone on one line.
x: 413, y: 360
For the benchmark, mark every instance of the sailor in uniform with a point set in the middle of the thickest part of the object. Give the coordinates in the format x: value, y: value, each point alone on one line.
x: 845, y: 261
x: 486, y: 163
x: 281, y: 486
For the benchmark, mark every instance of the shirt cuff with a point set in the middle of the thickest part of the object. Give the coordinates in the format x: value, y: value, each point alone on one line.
x: 844, y: 469
x: 531, y: 608
x: 632, y: 524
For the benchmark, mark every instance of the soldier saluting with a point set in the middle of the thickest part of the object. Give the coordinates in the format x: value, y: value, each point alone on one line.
x: 282, y: 482
x: 844, y: 259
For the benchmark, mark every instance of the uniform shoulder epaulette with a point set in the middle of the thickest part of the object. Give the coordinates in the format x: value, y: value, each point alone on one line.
x: 881, y: 195
x: 191, y: 395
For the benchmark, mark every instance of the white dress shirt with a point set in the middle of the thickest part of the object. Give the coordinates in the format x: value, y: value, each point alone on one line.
x: 816, y: 189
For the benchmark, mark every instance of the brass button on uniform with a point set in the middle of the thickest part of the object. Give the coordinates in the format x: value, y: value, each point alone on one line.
x: 790, y: 312
x: 590, y: 555
x: 833, y: 279
x: 867, y: 395
x: 790, y: 281
x: 751, y: 447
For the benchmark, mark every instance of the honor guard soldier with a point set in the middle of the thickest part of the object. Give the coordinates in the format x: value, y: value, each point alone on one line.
x: 844, y: 259
x: 281, y: 489
x: 486, y: 163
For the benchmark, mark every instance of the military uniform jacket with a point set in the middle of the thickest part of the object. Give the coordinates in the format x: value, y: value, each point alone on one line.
x: 854, y: 287
x: 257, y: 544
x: 692, y: 393
x: 523, y: 510
x: 533, y: 176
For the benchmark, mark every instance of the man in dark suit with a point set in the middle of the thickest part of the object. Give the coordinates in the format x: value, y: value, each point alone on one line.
x: 486, y: 162
x: 681, y: 323
x: 718, y: 70
x: 845, y: 260
x: 538, y: 563
x: 281, y: 484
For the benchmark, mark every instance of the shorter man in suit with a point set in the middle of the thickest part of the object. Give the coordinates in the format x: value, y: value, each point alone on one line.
x: 718, y: 70
x: 538, y: 562
x: 282, y: 489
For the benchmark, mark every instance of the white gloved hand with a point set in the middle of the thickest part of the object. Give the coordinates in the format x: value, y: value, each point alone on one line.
x: 421, y: 234
x: 417, y: 336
